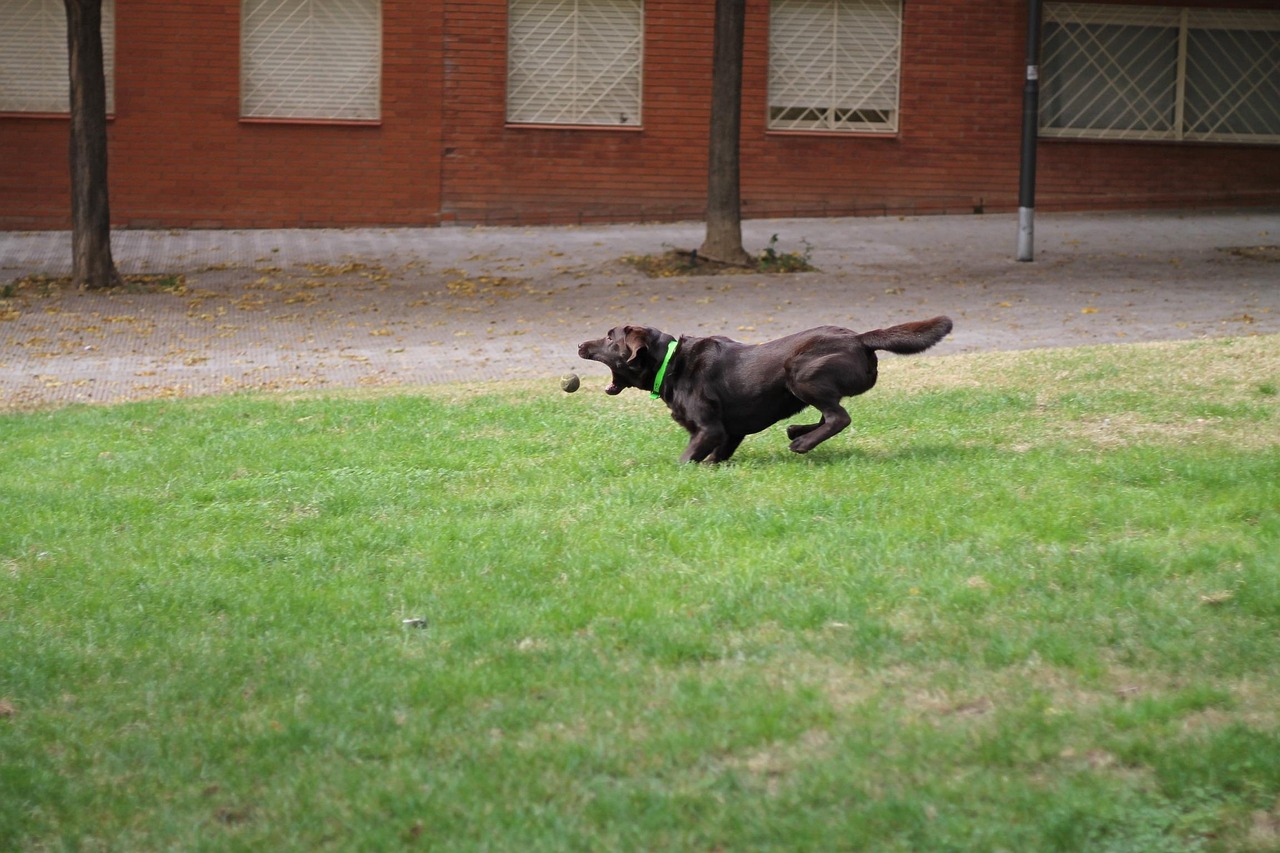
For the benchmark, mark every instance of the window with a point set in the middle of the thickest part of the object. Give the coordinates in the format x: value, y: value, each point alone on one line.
x: 1153, y: 72
x: 575, y: 62
x: 311, y: 59
x: 833, y: 65
x: 33, y: 56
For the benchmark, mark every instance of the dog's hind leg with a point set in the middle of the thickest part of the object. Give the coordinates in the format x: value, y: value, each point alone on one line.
x: 834, y: 419
x: 819, y: 383
x: 797, y: 430
x: 819, y: 391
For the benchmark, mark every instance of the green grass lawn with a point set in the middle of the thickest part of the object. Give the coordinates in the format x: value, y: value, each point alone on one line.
x: 1031, y: 602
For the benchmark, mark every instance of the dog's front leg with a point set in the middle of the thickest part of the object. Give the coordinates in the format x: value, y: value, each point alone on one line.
x: 701, y: 445
x: 726, y: 448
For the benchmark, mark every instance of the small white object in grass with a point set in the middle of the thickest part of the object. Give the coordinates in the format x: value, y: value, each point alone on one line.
x: 416, y: 622
x: 570, y: 383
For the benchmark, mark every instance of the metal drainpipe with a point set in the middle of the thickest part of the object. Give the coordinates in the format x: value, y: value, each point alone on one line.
x: 1030, y: 131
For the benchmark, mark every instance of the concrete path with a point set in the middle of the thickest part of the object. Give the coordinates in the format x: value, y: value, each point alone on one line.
x: 289, y: 309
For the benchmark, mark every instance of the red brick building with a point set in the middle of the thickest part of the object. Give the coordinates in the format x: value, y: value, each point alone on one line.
x: 281, y: 113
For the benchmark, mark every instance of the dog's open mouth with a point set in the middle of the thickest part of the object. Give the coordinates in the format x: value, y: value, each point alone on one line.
x: 594, y: 351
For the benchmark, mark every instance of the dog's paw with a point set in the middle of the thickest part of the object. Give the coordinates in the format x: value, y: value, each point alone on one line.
x: 796, y: 430
x: 801, y: 445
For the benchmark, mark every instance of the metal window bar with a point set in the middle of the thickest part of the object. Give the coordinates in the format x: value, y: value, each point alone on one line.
x: 33, y: 56
x: 575, y: 62
x: 311, y: 59
x: 834, y: 65
x: 1153, y: 72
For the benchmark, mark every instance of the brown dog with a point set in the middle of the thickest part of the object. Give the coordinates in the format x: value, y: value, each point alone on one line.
x: 722, y: 390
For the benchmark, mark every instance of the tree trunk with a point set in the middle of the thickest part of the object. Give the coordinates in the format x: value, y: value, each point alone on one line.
x: 91, y: 262
x: 724, y: 209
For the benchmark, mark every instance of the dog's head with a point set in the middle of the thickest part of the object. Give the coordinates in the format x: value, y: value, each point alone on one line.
x: 633, y: 353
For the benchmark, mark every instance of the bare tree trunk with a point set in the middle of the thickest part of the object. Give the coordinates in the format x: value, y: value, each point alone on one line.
x: 91, y: 262
x: 724, y: 209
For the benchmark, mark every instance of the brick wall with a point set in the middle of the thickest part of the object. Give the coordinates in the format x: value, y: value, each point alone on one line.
x: 181, y: 156
x: 959, y: 124
x: 958, y: 146
x: 957, y: 149
x: 496, y: 173
x: 1100, y: 175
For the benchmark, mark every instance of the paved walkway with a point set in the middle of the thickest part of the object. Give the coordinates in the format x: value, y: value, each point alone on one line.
x: 340, y: 308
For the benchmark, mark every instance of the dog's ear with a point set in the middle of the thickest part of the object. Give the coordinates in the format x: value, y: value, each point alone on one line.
x: 636, y: 339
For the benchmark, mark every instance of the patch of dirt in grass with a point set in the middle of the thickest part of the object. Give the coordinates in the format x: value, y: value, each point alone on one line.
x: 1124, y: 429
x: 234, y: 815
x: 555, y: 733
x: 939, y: 704
x: 1243, y: 364
x: 942, y: 693
x: 1253, y: 704
x: 772, y: 764
x: 1221, y: 372
x: 1264, y: 829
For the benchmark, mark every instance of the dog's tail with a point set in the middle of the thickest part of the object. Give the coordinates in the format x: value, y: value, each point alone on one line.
x: 909, y: 338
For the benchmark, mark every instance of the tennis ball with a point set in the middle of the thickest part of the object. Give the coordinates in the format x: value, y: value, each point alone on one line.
x: 569, y: 383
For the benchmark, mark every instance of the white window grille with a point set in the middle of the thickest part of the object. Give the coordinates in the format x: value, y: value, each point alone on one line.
x: 311, y: 59
x: 575, y: 62
x: 1154, y: 72
x: 834, y: 65
x: 33, y: 56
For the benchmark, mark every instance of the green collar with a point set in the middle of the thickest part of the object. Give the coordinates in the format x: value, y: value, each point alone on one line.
x: 662, y: 371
